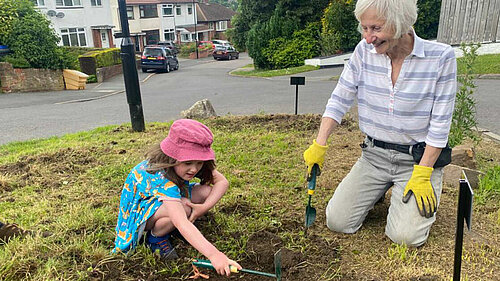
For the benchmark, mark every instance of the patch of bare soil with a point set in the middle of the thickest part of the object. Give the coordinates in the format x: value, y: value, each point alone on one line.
x: 48, y: 170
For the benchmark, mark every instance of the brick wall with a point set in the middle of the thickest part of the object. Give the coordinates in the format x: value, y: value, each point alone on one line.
x: 104, y: 73
x: 29, y: 79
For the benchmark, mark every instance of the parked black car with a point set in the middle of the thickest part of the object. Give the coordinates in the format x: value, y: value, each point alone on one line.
x: 159, y: 57
x: 171, y: 45
x: 225, y: 52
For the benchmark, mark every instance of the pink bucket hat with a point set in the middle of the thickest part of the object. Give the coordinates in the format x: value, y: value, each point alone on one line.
x: 188, y: 140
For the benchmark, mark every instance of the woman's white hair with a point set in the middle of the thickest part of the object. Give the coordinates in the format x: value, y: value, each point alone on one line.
x: 399, y: 15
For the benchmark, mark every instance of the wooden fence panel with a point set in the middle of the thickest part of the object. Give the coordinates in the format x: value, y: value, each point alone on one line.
x: 469, y: 21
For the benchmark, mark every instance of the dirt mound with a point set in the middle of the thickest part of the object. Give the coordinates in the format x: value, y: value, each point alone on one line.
x: 48, y: 170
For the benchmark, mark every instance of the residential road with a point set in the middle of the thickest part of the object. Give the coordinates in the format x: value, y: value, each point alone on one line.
x: 27, y: 116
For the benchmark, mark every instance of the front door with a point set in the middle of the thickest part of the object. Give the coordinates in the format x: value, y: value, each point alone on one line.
x: 104, y: 38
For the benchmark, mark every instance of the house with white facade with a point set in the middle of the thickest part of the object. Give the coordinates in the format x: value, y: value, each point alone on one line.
x: 85, y: 23
x: 151, y: 21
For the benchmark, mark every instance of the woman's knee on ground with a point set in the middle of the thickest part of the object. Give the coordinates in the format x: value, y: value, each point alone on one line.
x: 337, y: 222
x: 408, y: 237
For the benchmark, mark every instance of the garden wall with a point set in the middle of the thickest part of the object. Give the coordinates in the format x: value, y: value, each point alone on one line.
x: 29, y: 79
x: 104, y: 73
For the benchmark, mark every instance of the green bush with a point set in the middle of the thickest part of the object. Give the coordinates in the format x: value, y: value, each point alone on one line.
x: 71, y: 54
x: 187, y: 49
x: 279, y: 25
x: 91, y: 61
x: 16, y: 62
x: 339, y: 27
x: 8, y: 13
x: 330, y: 44
x: 92, y: 79
x: 463, y: 124
x: 104, y: 57
x: 32, y: 38
x: 428, y: 18
x: 283, y: 53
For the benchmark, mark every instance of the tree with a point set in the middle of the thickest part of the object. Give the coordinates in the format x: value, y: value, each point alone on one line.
x: 29, y: 35
x: 339, y: 27
x: 250, y: 12
x: 231, y: 4
x: 428, y: 18
x: 259, y: 22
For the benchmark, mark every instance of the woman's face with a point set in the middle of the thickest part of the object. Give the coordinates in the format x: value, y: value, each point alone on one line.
x: 375, y: 33
x: 188, y: 169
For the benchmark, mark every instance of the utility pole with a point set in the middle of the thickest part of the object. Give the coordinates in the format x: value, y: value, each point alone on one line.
x: 130, y: 72
x: 195, y: 32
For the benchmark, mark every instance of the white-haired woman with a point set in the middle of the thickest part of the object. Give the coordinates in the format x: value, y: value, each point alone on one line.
x: 405, y: 89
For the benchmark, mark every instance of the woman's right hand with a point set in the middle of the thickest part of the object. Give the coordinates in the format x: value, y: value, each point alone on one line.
x: 222, y: 263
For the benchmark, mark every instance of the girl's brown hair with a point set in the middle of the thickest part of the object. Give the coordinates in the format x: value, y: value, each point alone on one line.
x: 159, y: 161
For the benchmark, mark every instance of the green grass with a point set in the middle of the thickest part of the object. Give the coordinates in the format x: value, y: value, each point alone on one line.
x: 489, y: 185
x: 272, y: 73
x: 71, y: 187
x: 485, y: 64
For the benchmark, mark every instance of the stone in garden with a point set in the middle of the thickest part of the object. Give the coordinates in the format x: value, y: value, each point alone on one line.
x: 463, y: 155
x: 201, y: 109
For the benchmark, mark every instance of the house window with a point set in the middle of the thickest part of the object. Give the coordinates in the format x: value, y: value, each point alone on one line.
x: 185, y: 37
x: 130, y: 12
x: 169, y: 35
x: 211, y: 25
x: 148, y: 11
x: 68, y: 3
x: 73, y: 37
x: 190, y: 9
x: 221, y: 25
x: 95, y: 3
x: 167, y: 10
x: 178, y: 10
x: 38, y: 3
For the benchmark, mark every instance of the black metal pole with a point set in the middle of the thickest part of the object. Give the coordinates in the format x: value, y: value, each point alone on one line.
x: 459, y: 237
x: 195, y: 31
x: 296, y: 98
x: 130, y: 72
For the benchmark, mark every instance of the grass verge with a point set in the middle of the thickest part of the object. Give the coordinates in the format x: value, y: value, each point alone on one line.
x: 485, y: 64
x: 251, y: 72
x: 71, y: 187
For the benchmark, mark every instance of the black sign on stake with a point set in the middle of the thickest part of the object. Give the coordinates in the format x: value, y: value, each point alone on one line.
x: 297, y: 80
x: 465, y: 197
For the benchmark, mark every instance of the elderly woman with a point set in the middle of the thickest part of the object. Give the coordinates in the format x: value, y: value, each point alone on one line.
x: 405, y: 89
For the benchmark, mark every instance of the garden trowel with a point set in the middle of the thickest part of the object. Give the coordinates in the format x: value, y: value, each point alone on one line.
x: 311, y: 185
x: 277, y: 267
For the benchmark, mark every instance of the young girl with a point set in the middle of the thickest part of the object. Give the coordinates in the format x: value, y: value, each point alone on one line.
x: 157, y: 196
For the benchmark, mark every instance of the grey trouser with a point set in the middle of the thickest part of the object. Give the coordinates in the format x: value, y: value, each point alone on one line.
x: 373, y: 174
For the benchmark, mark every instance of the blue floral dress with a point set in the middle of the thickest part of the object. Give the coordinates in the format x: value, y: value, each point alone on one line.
x: 142, y: 195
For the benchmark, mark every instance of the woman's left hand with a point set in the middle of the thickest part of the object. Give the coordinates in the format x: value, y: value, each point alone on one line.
x: 197, y: 210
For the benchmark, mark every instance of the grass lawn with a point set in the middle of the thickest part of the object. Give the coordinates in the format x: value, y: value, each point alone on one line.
x: 71, y: 187
x: 485, y: 64
x: 248, y: 70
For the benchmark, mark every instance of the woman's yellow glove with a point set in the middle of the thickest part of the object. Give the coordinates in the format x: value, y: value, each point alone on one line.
x: 315, y: 154
x: 420, y: 185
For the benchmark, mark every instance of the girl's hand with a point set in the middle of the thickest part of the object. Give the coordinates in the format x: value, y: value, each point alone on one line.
x: 221, y: 263
x: 197, y: 210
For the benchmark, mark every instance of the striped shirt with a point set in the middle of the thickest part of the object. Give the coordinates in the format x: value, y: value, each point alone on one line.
x: 418, y: 108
